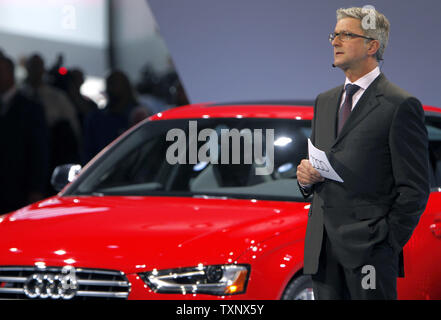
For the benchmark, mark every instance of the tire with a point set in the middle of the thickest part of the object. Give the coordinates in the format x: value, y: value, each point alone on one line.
x: 299, y: 289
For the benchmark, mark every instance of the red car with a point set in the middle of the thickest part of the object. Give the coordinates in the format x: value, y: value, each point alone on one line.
x: 179, y: 207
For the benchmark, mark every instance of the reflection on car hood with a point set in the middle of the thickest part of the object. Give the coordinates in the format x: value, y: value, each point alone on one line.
x: 134, y: 233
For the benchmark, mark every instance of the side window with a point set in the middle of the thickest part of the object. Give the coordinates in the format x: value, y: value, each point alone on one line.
x: 433, y: 125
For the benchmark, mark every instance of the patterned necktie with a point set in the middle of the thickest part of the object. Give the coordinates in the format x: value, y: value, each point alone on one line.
x: 345, y: 110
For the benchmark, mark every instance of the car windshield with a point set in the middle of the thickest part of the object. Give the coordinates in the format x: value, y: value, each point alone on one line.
x: 220, y: 157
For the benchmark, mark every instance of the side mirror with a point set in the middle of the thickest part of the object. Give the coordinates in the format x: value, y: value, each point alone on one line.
x: 64, y: 174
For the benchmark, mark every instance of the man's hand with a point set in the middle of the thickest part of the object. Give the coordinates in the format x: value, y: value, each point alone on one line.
x: 307, y: 175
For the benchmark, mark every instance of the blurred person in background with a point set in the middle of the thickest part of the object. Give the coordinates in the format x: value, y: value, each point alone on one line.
x: 122, y: 111
x: 149, y: 90
x: 56, y: 104
x: 161, y: 92
x: 181, y: 98
x: 83, y: 104
x: 23, y: 143
x: 70, y: 82
x: 64, y: 126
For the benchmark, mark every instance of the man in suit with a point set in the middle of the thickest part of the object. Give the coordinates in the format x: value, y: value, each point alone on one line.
x: 374, y: 136
x: 23, y: 145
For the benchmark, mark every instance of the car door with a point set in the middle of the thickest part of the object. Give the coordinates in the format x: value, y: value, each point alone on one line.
x: 422, y: 254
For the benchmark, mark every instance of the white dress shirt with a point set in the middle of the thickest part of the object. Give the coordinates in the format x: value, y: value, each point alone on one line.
x: 364, y: 82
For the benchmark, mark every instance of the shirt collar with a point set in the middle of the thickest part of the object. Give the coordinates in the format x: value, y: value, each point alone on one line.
x: 365, y: 81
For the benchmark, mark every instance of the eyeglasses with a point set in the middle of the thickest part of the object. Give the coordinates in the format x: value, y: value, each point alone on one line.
x: 346, y: 36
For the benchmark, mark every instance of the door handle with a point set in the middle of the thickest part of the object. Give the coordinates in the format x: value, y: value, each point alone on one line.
x: 436, y: 229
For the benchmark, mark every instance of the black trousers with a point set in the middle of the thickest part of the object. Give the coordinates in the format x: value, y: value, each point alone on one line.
x: 376, y: 280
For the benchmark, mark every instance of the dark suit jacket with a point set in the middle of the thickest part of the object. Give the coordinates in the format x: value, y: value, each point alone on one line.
x: 23, y: 153
x: 382, y: 156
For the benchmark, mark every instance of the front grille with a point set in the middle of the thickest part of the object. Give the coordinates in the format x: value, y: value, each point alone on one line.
x: 90, y: 283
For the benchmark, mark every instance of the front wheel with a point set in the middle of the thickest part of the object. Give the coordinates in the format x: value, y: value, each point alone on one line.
x: 299, y: 289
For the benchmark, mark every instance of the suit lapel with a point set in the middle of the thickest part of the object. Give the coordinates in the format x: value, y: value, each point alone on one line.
x: 364, y: 106
x: 325, y: 131
x: 335, y: 100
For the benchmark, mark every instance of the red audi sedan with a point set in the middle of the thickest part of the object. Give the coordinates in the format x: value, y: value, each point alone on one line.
x: 198, y: 202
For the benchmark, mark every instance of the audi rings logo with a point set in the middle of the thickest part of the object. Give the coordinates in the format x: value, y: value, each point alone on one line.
x: 319, y: 165
x: 54, y: 286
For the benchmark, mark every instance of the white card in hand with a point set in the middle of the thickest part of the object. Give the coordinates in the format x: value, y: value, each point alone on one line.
x: 320, y: 162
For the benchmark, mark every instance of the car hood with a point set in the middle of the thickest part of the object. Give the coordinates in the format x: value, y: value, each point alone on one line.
x: 140, y: 233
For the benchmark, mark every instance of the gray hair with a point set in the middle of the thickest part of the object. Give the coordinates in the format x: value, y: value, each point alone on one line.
x: 374, y: 24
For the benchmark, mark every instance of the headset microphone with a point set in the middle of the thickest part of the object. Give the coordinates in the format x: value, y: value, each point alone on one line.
x: 334, y: 66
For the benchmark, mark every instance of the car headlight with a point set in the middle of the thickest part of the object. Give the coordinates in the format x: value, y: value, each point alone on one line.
x: 215, y: 279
